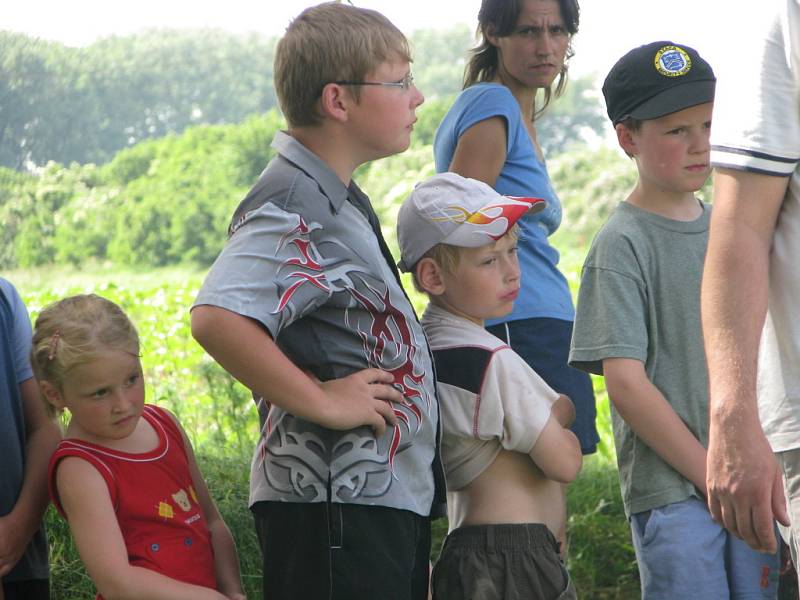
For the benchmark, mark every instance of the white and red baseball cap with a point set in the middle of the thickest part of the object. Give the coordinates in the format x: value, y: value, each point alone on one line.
x: 455, y: 210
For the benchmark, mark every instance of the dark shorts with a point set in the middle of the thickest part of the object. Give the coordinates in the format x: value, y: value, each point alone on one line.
x: 501, y: 562
x: 30, y: 589
x: 329, y: 551
x: 544, y: 345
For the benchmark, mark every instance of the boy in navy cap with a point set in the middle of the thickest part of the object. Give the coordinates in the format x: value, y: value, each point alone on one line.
x: 638, y: 324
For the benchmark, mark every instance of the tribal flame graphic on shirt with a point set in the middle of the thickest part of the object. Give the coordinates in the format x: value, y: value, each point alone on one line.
x: 302, y: 459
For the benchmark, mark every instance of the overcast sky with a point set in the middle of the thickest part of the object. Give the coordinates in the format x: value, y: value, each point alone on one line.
x: 608, y: 27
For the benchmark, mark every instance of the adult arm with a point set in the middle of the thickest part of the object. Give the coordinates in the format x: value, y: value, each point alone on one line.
x: 247, y: 352
x: 86, y: 501
x: 42, y: 435
x: 648, y: 413
x: 744, y: 482
x: 481, y: 151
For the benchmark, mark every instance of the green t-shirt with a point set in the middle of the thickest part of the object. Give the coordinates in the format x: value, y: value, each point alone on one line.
x: 640, y: 298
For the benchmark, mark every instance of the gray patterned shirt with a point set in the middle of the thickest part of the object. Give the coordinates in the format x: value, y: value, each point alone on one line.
x: 305, y: 258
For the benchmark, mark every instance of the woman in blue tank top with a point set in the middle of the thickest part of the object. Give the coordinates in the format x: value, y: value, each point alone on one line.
x: 489, y: 134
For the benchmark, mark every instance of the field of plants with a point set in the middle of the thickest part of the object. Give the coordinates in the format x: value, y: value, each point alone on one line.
x: 221, y: 421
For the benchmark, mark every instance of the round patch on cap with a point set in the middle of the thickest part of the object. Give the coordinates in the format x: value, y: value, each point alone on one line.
x: 672, y: 61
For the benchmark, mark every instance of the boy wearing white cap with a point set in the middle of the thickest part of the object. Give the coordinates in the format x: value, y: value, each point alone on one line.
x: 506, y: 447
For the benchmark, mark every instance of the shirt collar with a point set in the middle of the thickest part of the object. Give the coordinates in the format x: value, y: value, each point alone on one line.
x: 313, y: 166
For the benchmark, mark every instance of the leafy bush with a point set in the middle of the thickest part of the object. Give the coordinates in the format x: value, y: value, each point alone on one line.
x: 160, y: 203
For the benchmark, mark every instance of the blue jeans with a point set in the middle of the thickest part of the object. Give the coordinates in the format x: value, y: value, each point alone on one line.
x: 683, y: 553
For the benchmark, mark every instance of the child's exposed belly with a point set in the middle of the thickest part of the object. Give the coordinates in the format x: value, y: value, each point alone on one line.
x: 511, y: 490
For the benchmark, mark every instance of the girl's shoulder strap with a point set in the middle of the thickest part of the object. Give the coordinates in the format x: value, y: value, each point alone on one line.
x: 162, y: 420
x: 77, y: 449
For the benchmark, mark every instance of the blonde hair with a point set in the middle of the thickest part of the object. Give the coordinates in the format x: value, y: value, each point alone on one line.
x: 327, y: 43
x: 75, y: 331
x: 448, y: 257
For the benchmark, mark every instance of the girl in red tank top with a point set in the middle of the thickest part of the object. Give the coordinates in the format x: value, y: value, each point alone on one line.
x: 125, y: 476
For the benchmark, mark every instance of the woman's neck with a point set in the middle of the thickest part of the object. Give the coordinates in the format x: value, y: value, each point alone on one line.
x: 524, y: 96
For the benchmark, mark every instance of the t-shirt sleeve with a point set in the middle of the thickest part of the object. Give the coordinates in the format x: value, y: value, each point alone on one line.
x: 515, y: 403
x: 757, y: 103
x: 21, y: 333
x: 270, y: 270
x: 611, y: 314
x: 486, y: 102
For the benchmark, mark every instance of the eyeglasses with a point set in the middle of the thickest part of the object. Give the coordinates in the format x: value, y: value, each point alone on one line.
x: 404, y: 84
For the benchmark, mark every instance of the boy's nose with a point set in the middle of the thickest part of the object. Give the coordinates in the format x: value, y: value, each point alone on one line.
x: 512, y: 270
x: 416, y: 96
x: 701, y: 142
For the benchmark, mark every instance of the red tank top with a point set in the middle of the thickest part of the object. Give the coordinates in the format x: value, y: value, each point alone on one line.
x: 158, y: 511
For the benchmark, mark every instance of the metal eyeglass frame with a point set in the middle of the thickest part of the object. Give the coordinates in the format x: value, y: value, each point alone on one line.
x: 404, y: 84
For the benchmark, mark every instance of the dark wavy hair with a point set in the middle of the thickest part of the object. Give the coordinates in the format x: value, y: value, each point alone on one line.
x: 499, y: 18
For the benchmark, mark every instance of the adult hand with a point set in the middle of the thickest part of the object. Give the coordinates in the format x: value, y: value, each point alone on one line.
x: 745, y: 488
x: 13, y: 542
x: 362, y: 398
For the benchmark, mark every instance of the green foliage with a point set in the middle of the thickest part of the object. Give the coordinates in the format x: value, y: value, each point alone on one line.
x: 178, y: 374
x: 601, y: 559
x: 428, y: 118
x: 84, y: 104
x: 15, y: 206
x: 162, y: 202
x: 590, y: 183
x: 571, y: 117
x: 439, y: 58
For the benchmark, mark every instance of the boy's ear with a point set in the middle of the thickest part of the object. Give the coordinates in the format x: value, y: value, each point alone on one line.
x: 626, y: 139
x: 429, y: 276
x: 334, y: 102
x: 51, y: 394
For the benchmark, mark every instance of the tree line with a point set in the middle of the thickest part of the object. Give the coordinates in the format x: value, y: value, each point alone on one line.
x: 83, y: 105
x: 168, y: 200
x: 136, y: 149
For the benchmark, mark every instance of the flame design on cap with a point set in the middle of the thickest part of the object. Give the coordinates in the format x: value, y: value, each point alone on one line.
x: 492, y: 220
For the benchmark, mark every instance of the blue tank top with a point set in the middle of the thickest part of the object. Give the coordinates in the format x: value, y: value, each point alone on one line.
x: 544, y: 292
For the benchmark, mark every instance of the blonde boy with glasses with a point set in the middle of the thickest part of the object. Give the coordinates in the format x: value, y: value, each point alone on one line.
x: 305, y: 307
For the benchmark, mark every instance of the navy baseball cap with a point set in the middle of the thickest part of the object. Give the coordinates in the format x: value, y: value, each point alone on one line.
x: 655, y: 80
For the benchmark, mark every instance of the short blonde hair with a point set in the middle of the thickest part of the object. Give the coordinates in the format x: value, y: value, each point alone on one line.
x: 326, y: 43
x: 75, y: 331
x: 448, y: 257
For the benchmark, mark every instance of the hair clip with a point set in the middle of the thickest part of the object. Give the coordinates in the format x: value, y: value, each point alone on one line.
x: 53, y: 345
